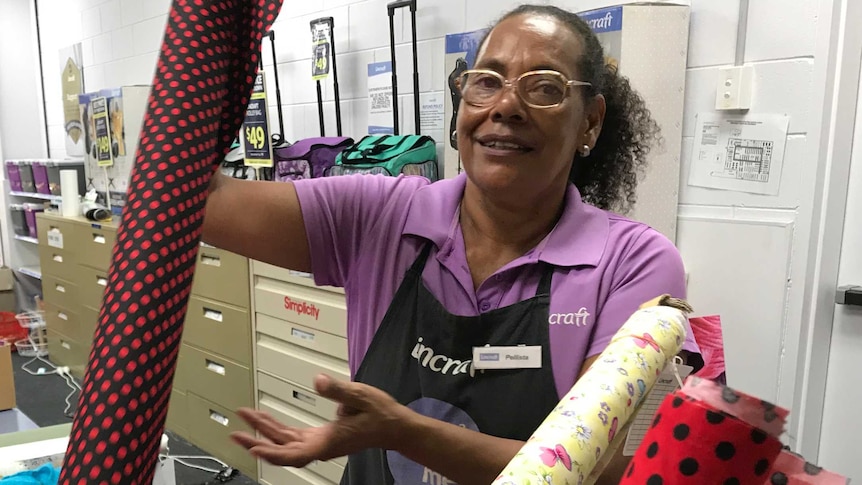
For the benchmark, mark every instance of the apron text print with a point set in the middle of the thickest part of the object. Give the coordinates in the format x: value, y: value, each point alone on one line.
x: 440, y: 363
x: 434, y: 478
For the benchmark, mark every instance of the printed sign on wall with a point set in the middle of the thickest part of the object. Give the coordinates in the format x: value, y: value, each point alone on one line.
x: 380, y: 98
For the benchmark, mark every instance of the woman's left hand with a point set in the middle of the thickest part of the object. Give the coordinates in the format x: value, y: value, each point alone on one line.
x: 367, y: 418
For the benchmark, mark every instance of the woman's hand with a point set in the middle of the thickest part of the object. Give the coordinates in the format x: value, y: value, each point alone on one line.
x: 367, y: 418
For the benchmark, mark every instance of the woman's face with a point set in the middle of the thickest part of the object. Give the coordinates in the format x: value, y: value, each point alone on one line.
x: 509, y: 147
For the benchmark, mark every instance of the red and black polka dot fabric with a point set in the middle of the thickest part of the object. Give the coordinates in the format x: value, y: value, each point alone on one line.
x: 707, y: 433
x: 203, y: 81
x: 693, y: 442
x: 793, y: 469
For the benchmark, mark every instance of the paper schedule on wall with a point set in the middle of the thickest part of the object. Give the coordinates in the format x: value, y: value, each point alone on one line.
x: 743, y: 154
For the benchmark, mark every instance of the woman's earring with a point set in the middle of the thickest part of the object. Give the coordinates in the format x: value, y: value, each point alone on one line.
x: 453, y: 139
x: 585, y: 151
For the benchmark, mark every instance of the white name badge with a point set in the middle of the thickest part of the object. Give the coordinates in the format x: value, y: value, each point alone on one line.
x: 519, y: 357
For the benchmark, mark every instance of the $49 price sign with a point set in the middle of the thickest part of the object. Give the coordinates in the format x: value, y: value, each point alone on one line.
x: 256, y: 136
x: 104, y: 151
x: 321, y: 47
x: 255, y: 132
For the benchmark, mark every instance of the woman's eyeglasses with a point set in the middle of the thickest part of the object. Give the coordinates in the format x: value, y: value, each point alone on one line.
x: 538, y: 89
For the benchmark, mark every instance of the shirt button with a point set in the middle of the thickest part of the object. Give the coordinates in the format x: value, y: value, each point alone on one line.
x: 485, y: 306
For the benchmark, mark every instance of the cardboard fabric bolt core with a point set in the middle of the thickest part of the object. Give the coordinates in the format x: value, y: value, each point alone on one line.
x: 203, y: 81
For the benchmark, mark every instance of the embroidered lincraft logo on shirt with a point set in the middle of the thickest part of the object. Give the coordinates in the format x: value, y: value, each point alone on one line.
x: 440, y: 363
x: 579, y: 319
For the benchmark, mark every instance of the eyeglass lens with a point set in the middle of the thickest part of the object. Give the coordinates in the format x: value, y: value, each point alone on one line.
x: 538, y: 89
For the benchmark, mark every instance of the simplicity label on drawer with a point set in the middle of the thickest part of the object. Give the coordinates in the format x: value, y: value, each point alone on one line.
x: 301, y: 307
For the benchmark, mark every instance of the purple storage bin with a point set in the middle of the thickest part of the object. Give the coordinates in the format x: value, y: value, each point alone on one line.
x: 30, y: 211
x: 25, y: 170
x: 40, y: 178
x: 14, y: 176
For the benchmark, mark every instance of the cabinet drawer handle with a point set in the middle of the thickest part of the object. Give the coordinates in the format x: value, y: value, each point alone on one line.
x: 218, y: 418
x: 214, y: 315
x: 215, y: 367
x: 98, y: 238
x: 101, y: 281
x: 302, y: 397
x: 60, y: 288
x: 63, y: 316
x: 210, y: 260
x: 57, y: 258
x: 302, y: 334
x: 65, y: 345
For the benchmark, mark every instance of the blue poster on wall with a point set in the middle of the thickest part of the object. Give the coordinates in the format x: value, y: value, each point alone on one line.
x: 460, y: 55
x: 607, y: 23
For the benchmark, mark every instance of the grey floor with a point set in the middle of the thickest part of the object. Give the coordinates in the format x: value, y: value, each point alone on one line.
x: 41, y: 402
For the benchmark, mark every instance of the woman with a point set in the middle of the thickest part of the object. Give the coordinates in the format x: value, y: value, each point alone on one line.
x: 506, y: 254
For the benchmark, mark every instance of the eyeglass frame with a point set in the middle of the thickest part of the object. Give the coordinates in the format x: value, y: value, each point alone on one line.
x: 513, y: 83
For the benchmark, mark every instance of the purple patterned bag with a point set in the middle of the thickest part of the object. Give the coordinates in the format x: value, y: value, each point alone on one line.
x: 308, y: 158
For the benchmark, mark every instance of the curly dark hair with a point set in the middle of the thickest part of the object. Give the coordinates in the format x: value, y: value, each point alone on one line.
x: 607, y: 178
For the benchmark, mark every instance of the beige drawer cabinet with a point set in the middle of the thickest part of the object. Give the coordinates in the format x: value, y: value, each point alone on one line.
x: 300, y: 330
x: 215, y: 373
x: 70, y: 333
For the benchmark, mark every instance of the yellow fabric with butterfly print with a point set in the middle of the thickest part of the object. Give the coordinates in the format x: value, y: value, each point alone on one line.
x: 591, y: 419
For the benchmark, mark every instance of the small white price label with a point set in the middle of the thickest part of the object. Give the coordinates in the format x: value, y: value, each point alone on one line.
x: 55, y: 238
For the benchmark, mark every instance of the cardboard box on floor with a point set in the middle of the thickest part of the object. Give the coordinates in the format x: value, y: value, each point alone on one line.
x: 7, y: 290
x: 7, y: 382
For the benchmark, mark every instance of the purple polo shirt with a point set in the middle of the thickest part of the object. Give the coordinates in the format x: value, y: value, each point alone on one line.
x: 364, y: 232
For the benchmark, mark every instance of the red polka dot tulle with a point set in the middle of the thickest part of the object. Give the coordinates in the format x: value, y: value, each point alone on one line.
x: 208, y: 61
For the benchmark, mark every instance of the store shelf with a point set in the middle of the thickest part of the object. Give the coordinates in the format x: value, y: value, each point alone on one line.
x: 27, y: 239
x: 34, y: 271
x: 34, y: 195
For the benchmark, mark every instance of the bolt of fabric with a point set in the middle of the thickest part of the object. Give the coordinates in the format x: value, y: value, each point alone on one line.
x: 202, y: 84
x: 709, y: 433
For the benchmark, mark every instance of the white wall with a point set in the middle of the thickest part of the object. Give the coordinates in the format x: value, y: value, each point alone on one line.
x: 22, y: 125
x: 747, y: 254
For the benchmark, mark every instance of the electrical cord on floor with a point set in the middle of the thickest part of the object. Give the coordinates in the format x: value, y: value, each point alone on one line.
x: 73, y: 384
x: 59, y: 371
x: 226, y: 474
x: 180, y: 460
x: 43, y: 371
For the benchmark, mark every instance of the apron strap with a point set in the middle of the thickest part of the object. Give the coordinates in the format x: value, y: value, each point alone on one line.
x: 419, y: 265
x: 544, y: 287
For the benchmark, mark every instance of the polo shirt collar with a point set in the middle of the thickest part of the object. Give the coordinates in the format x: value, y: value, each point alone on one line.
x: 578, y: 239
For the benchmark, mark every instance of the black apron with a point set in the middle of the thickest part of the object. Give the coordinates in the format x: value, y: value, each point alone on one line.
x: 422, y: 356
